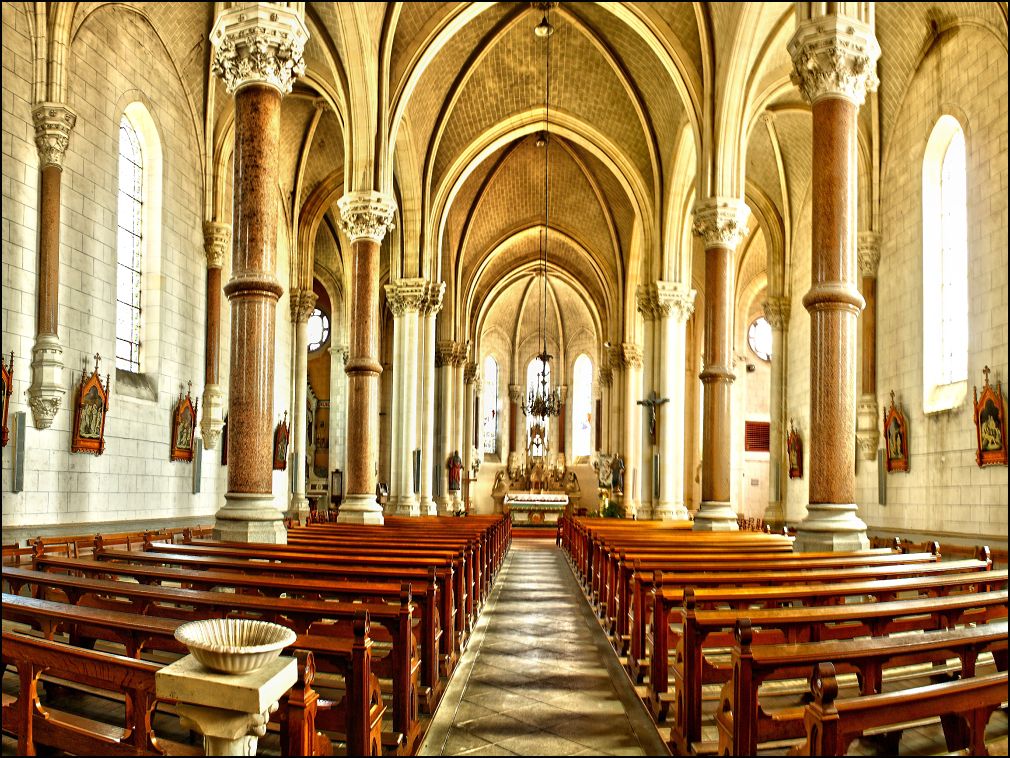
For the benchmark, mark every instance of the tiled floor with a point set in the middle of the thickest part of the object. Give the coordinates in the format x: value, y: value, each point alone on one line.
x: 539, y: 677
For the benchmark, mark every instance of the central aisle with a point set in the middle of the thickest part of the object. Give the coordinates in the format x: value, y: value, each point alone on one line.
x: 539, y: 677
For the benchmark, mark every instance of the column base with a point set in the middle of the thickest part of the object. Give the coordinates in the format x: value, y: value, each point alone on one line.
x: 715, y: 517
x: 428, y: 507
x: 446, y: 506
x: 249, y: 517
x: 408, y: 506
x: 669, y: 512
x: 46, y: 391
x: 831, y: 527
x: 299, y: 509
x: 360, y: 509
x: 644, y: 512
x: 775, y: 514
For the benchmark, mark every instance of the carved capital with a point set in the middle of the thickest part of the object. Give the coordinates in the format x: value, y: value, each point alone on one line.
x: 53, y: 124
x: 302, y: 303
x: 563, y: 392
x: 212, y: 423
x: 366, y: 215
x: 721, y: 221
x: 470, y: 372
x: 445, y: 353
x: 776, y: 310
x: 516, y: 393
x: 216, y: 242
x: 834, y: 56
x: 631, y: 355
x: 433, y: 294
x: 868, y: 252
x: 647, y: 301
x: 259, y: 43
x: 461, y: 353
x: 406, y: 295
x: 606, y: 376
x: 45, y: 394
x: 674, y: 299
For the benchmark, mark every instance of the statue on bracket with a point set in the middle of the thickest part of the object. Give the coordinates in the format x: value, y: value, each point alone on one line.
x: 896, y: 438
x: 455, y: 467
x: 281, y: 439
x: 183, y: 424
x: 794, y: 449
x: 89, y: 413
x: 990, y: 424
x: 5, y: 393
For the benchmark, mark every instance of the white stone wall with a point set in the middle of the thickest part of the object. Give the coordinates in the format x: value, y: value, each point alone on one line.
x: 116, y: 58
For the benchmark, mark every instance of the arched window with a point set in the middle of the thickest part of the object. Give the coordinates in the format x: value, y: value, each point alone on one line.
x: 489, y: 401
x: 533, y: 371
x: 129, y: 247
x: 945, y: 267
x: 582, y: 407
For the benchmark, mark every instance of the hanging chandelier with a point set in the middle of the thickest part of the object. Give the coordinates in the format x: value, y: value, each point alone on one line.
x: 542, y: 402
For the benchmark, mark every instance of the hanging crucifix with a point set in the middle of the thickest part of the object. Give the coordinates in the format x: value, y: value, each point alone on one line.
x: 651, y: 404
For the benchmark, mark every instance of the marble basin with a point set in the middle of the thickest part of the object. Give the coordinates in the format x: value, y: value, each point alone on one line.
x: 234, y: 646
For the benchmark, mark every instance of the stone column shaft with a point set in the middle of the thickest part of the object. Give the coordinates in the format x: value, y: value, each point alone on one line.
x: 675, y: 304
x: 721, y: 224
x: 631, y: 356
x: 217, y: 242
x: 650, y: 367
x: 835, y: 59
x: 429, y: 453
x: 459, y: 417
x: 302, y: 303
x: 53, y: 124
x: 776, y: 310
x: 866, y: 411
x: 445, y: 358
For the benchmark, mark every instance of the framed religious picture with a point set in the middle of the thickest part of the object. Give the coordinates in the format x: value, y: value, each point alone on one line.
x: 281, y: 438
x: 89, y: 413
x: 5, y: 392
x: 990, y: 424
x: 895, y: 438
x: 183, y: 427
x: 224, y: 442
x: 794, y: 449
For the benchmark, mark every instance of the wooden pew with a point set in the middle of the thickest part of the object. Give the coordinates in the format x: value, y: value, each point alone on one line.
x: 715, y: 628
x: 304, y: 616
x: 744, y: 724
x: 429, y: 630
x: 301, y: 711
x: 963, y: 705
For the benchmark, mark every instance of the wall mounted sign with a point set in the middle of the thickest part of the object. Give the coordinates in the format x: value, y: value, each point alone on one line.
x: 895, y: 438
x: 990, y: 424
x: 183, y: 427
x: 89, y: 413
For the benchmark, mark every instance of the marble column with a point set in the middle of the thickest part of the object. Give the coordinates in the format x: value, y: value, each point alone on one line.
x: 470, y: 385
x: 631, y: 358
x: 867, y: 434
x: 430, y: 307
x: 258, y: 53
x: 365, y: 218
x: 647, y: 306
x: 338, y: 407
x: 674, y: 306
x: 404, y: 299
x: 216, y: 243
x: 776, y: 311
x: 721, y: 223
x: 835, y: 60
x: 53, y: 124
x: 459, y: 415
x: 302, y: 303
x: 445, y: 357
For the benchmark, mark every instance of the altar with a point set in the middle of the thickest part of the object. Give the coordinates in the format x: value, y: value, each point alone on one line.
x: 535, y: 507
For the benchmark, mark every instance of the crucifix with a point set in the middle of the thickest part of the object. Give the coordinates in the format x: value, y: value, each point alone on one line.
x: 652, y: 403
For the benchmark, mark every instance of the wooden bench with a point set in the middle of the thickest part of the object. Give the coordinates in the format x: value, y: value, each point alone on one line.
x: 315, y: 617
x: 743, y: 723
x: 964, y: 707
x: 358, y: 715
x: 715, y: 628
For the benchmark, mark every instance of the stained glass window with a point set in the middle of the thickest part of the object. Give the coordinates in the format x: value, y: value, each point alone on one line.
x: 759, y: 337
x: 318, y: 329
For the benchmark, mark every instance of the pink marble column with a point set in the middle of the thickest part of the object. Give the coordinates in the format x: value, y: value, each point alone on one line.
x: 834, y: 58
x: 53, y: 124
x: 366, y: 217
x: 867, y: 434
x: 216, y: 242
x: 258, y: 52
x: 721, y: 223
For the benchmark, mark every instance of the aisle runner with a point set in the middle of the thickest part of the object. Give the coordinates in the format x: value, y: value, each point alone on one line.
x: 535, y: 679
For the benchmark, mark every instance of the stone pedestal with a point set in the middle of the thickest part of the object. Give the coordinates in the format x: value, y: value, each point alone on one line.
x: 721, y: 223
x: 835, y: 63
x: 249, y: 699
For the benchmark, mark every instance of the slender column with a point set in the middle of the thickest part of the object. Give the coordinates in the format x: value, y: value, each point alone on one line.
x: 515, y: 403
x: 631, y: 356
x: 562, y: 420
x: 617, y: 375
x: 53, y: 124
x: 776, y: 310
x: 404, y: 299
x: 721, y: 223
x: 431, y: 305
x: 365, y: 216
x: 470, y: 384
x: 302, y: 303
x: 866, y: 411
x: 338, y: 407
x: 445, y: 356
x: 647, y: 306
x: 258, y: 52
x: 606, y: 381
x: 674, y: 304
x: 835, y: 60
x: 216, y: 242
x: 459, y: 415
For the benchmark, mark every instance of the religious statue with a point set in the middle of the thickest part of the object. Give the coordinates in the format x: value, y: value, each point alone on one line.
x: 91, y: 415
x: 603, y: 466
x: 500, y: 485
x: 990, y: 424
x: 455, y: 466
x: 651, y: 404
x: 183, y: 426
x: 617, y: 482
x: 572, y: 488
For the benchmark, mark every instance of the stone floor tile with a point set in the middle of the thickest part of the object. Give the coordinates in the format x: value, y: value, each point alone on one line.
x: 540, y: 743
